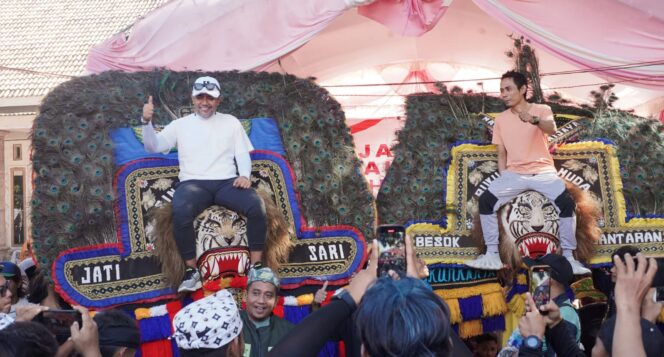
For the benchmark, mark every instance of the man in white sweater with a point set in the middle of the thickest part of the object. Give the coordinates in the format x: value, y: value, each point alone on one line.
x: 215, y: 167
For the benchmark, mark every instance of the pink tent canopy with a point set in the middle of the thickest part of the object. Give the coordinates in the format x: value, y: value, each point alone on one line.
x: 625, y: 38
x: 621, y: 35
x: 215, y: 35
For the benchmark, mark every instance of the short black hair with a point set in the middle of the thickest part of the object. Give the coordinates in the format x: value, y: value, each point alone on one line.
x: 29, y: 338
x: 487, y: 337
x: 109, y: 322
x: 519, y: 79
x: 38, y: 289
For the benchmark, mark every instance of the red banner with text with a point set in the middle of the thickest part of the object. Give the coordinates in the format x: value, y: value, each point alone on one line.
x: 373, y: 139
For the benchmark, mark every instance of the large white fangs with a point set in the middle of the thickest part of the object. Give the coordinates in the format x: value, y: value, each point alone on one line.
x: 242, y: 264
x: 213, y: 263
x: 526, y: 242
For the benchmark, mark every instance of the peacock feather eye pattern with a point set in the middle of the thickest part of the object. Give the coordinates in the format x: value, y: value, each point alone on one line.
x: 413, y: 186
x: 640, y: 143
x: 74, y: 164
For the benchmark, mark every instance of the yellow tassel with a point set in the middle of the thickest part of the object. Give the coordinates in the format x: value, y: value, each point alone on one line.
x: 142, y: 313
x: 517, y: 305
x: 305, y: 299
x: 516, y: 309
x: 470, y: 328
x: 461, y: 293
x: 455, y: 311
x: 493, y: 304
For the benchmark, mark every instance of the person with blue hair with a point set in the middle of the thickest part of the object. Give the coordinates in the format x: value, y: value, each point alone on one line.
x: 403, y: 318
x: 395, y: 315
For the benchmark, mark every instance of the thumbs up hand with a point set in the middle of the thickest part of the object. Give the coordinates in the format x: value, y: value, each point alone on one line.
x: 148, y: 110
x: 321, y: 294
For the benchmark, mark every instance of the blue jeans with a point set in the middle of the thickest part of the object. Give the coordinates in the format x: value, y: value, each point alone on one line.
x: 193, y: 196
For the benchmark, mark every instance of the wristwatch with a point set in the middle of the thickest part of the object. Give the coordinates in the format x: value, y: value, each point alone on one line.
x: 536, y: 120
x: 533, y: 342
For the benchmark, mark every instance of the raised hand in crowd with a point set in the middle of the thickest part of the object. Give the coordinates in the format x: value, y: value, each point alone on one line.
x: 415, y: 267
x: 85, y: 337
x: 358, y: 286
x: 533, y: 323
x: 311, y: 334
x: 632, y: 285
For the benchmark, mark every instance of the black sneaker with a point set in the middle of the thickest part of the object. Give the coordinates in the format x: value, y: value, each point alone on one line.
x: 191, y: 280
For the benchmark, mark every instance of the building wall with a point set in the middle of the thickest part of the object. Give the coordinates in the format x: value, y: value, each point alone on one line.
x: 15, y: 165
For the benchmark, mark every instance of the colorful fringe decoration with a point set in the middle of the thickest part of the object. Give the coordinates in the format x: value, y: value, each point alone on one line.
x: 295, y: 314
x: 331, y: 349
x: 154, y: 329
x: 161, y: 348
x: 155, y: 323
x: 493, y: 323
x: 455, y: 311
x: 223, y: 283
x: 476, y: 309
x: 470, y: 328
x: 474, y: 302
x: 515, y: 303
x: 473, y: 310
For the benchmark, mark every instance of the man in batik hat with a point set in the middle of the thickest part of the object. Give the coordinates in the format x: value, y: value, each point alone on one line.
x: 262, y: 330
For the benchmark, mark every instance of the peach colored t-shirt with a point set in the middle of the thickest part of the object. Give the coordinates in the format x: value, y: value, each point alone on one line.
x: 526, y: 144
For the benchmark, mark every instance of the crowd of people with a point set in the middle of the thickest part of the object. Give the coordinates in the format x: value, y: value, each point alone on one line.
x: 394, y: 315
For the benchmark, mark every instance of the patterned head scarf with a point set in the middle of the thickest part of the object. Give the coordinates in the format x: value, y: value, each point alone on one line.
x: 211, y: 322
x: 263, y: 274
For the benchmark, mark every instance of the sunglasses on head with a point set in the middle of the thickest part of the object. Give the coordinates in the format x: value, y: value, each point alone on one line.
x: 3, y: 288
x: 206, y: 85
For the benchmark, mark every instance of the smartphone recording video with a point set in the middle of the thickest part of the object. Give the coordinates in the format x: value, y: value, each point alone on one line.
x: 540, y: 285
x: 59, y: 322
x: 392, y: 249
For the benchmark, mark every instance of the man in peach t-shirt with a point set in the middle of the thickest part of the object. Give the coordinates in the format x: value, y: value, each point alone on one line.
x: 524, y: 162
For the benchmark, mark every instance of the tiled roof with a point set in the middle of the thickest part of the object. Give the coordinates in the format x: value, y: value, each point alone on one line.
x: 45, y: 42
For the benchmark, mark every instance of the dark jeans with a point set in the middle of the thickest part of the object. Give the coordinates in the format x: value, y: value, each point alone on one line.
x: 193, y: 196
